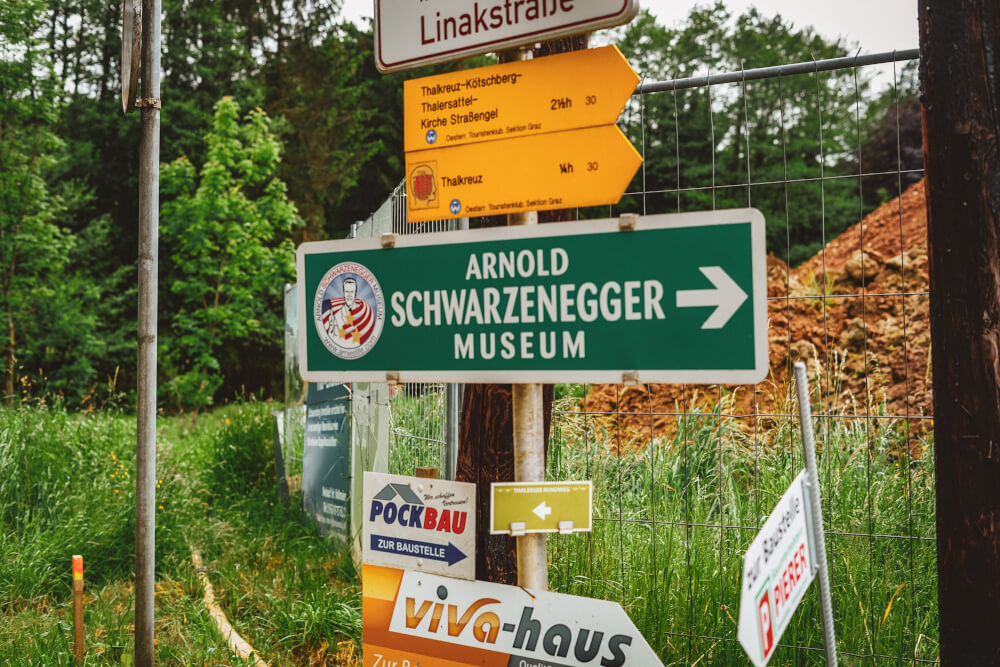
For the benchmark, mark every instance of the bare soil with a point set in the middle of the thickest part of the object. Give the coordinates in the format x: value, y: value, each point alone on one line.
x: 857, y: 313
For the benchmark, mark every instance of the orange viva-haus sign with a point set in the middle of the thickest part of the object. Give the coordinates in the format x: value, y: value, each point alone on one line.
x: 413, y: 618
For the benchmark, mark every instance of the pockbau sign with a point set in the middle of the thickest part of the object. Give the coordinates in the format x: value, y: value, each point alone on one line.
x: 413, y: 34
x: 413, y: 618
x: 663, y: 298
x: 420, y: 524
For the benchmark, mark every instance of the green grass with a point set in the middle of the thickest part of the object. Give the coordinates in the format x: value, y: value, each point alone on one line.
x: 674, y: 517
x: 67, y: 487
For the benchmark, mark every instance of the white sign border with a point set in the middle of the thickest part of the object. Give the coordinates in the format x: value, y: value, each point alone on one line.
x: 573, y: 228
x: 628, y: 11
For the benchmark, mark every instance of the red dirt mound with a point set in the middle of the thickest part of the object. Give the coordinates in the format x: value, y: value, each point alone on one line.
x: 857, y: 313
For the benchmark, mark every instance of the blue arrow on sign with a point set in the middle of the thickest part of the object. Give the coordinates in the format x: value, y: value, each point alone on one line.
x: 397, y: 545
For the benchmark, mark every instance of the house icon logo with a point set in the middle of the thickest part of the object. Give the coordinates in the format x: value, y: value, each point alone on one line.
x: 405, y: 493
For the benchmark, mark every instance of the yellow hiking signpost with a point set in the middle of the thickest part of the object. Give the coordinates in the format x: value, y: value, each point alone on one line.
x: 518, y: 508
x: 529, y: 135
x: 588, y: 167
x: 553, y: 94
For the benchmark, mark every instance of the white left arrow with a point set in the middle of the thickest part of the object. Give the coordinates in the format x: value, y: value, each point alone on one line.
x: 726, y: 296
x: 542, y: 511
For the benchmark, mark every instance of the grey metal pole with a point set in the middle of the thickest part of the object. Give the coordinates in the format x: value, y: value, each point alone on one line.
x: 809, y: 449
x: 145, y: 455
x: 809, y: 67
x: 529, y: 448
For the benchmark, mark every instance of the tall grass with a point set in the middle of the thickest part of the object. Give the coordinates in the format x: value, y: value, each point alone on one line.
x: 674, y: 517
x: 67, y: 487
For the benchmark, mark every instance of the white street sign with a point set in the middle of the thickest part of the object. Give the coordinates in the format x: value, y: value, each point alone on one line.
x: 413, y: 34
x: 777, y: 569
x: 421, y: 524
x: 413, y: 618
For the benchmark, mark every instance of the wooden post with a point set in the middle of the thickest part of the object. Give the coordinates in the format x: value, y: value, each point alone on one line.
x: 426, y: 472
x: 78, y: 608
x: 960, y: 76
x: 486, y: 437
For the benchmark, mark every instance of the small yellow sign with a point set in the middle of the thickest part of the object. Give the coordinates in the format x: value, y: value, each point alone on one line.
x: 540, y: 507
x: 569, y: 91
x: 588, y: 167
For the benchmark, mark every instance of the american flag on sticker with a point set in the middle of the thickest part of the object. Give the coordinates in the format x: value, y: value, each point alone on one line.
x: 349, y: 310
x: 349, y: 325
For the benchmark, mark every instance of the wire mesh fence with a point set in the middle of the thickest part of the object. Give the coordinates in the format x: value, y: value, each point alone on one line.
x: 417, y: 411
x: 684, y: 476
x: 418, y: 417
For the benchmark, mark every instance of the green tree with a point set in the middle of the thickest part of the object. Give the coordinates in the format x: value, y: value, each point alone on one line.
x: 893, y: 140
x: 226, y: 253
x: 704, y: 146
x: 33, y: 248
x: 326, y: 124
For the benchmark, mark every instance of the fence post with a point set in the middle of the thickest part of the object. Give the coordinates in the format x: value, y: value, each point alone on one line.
x: 78, y: 608
x: 816, y: 513
x: 279, y: 459
x: 452, y: 424
x: 960, y: 80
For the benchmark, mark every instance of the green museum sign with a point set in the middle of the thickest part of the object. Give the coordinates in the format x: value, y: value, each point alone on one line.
x: 662, y: 298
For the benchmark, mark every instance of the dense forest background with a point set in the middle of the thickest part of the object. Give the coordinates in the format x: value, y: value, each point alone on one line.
x: 277, y: 129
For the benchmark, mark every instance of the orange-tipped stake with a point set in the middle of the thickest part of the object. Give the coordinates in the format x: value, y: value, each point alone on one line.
x: 78, y: 607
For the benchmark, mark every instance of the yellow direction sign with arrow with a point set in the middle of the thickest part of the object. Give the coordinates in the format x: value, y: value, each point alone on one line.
x: 552, y: 94
x: 517, y: 508
x: 587, y: 167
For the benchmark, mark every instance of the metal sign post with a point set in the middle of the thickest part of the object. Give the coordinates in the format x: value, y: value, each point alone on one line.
x: 145, y: 458
x: 816, y: 518
x: 529, y: 435
x: 787, y: 554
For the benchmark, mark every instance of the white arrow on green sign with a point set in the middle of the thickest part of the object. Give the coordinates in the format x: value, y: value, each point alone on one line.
x: 662, y: 298
x: 541, y: 507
